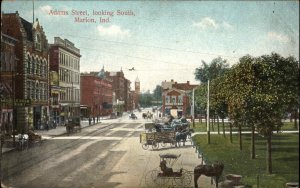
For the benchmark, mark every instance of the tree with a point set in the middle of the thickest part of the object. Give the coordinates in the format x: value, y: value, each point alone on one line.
x: 157, y: 92
x: 215, y: 69
x: 259, y: 91
x: 218, y: 100
x: 145, y: 99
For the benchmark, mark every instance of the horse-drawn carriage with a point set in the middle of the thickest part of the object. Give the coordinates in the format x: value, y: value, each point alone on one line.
x: 73, y: 125
x: 26, y: 140
x: 166, y: 176
x: 174, y: 138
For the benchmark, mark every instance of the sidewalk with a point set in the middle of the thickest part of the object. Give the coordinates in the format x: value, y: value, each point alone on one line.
x: 59, y: 130
x: 134, y: 168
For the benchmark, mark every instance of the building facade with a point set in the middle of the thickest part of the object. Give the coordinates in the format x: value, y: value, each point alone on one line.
x: 118, y: 87
x: 65, y: 61
x: 176, y: 98
x: 137, y: 90
x: 7, y: 72
x: 96, y: 96
x: 31, y: 78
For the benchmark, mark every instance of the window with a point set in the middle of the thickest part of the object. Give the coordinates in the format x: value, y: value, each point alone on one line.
x: 28, y: 89
x: 167, y: 98
x: 173, y: 99
x: 37, y: 67
x: 38, y: 43
x: 179, y: 99
x: 28, y: 60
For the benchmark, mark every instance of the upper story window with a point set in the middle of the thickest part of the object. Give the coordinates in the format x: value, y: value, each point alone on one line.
x: 173, y: 99
x: 38, y: 42
x: 167, y: 99
x: 179, y: 99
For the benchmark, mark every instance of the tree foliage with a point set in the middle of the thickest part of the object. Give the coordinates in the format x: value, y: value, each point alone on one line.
x: 217, y: 67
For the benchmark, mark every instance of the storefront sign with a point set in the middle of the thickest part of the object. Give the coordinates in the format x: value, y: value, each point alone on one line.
x: 16, y: 102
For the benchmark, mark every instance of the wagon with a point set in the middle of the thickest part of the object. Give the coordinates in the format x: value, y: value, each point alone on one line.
x: 156, y: 138
x: 166, y: 176
x: 149, y: 127
x: 73, y: 125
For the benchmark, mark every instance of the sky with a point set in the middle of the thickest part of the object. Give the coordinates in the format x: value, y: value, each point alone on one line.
x: 166, y: 40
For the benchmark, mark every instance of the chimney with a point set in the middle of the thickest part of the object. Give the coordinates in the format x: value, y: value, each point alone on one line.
x: 188, y: 82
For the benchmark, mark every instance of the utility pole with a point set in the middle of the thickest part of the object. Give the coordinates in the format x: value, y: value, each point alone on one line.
x: 207, y: 118
x: 193, y: 109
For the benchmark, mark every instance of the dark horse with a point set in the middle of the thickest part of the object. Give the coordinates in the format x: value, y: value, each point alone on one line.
x: 181, y: 136
x: 214, y: 170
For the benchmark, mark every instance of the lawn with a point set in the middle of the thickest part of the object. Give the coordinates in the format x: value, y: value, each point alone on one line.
x: 285, y: 158
x: 287, y: 126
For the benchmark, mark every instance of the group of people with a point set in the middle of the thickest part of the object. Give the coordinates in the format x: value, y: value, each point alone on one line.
x: 46, y: 125
x: 148, y: 115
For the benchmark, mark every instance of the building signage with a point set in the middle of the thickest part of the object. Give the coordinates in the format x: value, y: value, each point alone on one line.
x: 16, y: 102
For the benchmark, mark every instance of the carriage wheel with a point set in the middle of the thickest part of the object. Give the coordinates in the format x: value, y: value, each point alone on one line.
x: 145, y: 146
x: 184, y: 180
x: 155, y: 145
x: 173, y: 144
x: 163, y: 144
x: 157, y: 180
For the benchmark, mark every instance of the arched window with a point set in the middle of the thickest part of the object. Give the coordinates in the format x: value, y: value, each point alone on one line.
x: 38, y: 43
x: 37, y: 97
x: 33, y: 66
x: 37, y: 67
x: 28, y: 62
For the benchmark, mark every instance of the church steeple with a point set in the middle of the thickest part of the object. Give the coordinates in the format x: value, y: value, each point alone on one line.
x: 101, y: 73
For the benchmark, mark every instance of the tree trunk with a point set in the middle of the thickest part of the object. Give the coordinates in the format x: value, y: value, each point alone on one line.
x: 213, y: 123
x: 218, y: 124
x: 295, y: 120
x: 252, y: 142
x: 223, y: 125
x: 230, y: 132
x: 240, y: 136
x: 269, y: 154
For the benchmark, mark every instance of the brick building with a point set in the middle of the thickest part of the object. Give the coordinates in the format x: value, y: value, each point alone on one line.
x: 128, y: 97
x: 32, y: 71
x: 118, y: 87
x: 176, y: 98
x: 137, y: 91
x: 7, y: 73
x: 96, y: 94
x: 65, y: 62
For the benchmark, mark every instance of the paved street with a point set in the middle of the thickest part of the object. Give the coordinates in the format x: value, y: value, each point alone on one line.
x: 108, y: 154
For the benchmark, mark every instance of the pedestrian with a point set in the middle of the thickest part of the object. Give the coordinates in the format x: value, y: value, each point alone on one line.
x: 47, y: 125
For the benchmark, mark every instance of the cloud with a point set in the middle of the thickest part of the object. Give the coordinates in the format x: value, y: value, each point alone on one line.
x: 227, y: 26
x: 46, y: 8
x: 113, y: 31
x: 274, y: 36
x: 206, y: 23
x: 209, y: 23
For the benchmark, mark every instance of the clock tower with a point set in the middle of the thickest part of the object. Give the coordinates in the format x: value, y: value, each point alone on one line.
x: 137, y: 91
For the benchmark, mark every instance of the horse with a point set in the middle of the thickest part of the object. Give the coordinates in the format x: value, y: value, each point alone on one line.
x: 144, y: 115
x: 214, y: 170
x: 181, y: 136
x: 149, y: 116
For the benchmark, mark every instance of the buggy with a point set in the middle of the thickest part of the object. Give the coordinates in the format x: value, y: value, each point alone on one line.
x: 164, y: 175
